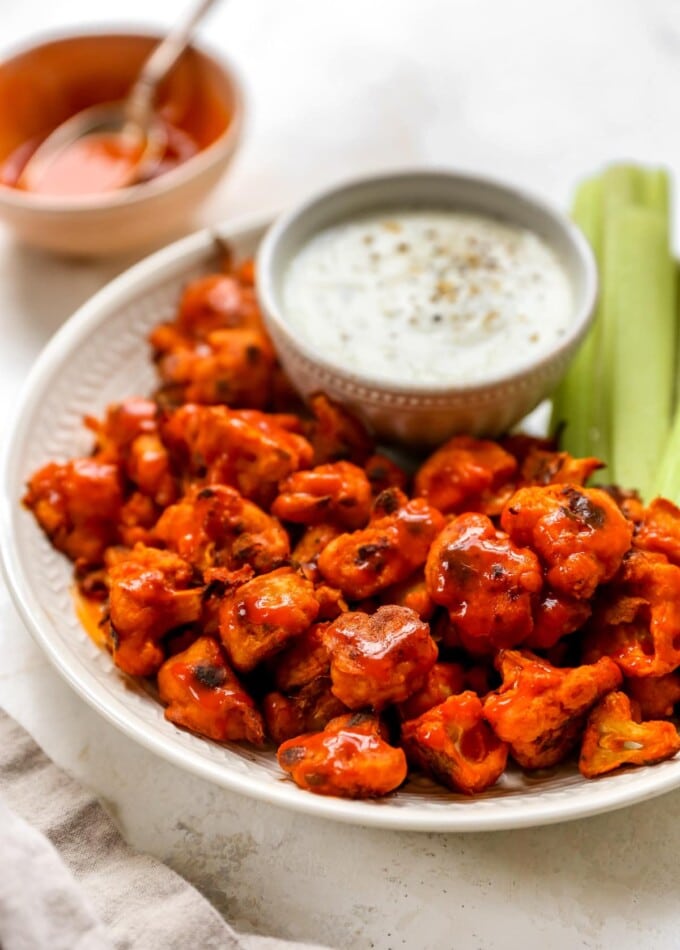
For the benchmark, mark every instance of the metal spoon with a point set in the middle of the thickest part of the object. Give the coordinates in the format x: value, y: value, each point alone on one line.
x: 134, y: 119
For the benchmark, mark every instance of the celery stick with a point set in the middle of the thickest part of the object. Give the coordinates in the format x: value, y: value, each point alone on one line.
x: 587, y: 211
x: 583, y: 399
x: 572, y: 398
x: 656, y: 190
x: 622, y: 186
x: 639, y: 341
x: 667, y: 481
x: 617, y: 396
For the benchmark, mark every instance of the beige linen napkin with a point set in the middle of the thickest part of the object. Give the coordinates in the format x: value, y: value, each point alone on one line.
x: 68, y: 881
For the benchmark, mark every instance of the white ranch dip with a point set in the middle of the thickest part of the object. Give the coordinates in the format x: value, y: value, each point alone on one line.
x: 427, y: 296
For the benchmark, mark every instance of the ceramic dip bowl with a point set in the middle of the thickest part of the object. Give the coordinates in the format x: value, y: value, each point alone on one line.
x: 405, y: 404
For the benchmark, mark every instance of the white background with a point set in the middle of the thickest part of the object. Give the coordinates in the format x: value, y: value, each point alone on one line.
x: 537, y: 92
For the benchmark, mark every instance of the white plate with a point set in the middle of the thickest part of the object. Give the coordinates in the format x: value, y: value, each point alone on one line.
x: 98, y: 357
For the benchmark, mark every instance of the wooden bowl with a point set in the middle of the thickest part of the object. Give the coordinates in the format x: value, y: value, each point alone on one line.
x: 46, y: 84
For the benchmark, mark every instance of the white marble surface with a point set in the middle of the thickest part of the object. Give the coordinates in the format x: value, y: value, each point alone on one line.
x: 533, y: 91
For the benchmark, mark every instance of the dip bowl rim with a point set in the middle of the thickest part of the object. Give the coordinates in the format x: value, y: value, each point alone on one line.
x: 272, y: 258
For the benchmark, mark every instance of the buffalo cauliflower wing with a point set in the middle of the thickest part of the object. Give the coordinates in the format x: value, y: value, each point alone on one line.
x: 556, y: 616
x: 216, y: 350
x: 337, y: 492
x: 540, y: 710
x: 249, y: 450
x: 349, y: 758
x: 261, y: 616
x: 308, y: 709
x: 579, y: 534
x: 612, y: 739
x: 487, y: 583
x: 78, y: 506
x: 455, y: 745
x: 443, y: 680
x: 151, y: 592
x: 336, y: 434
x: 636, y: 619
x: 659, y: 530
x: 215, y: 527
x: 203, y: 694
x: 655, y: 697
x: 380, y: 658
x: 393, y: 545
x: 467, y: 474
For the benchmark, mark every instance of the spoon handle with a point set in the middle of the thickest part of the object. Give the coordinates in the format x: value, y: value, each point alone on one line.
x: 140, y: 101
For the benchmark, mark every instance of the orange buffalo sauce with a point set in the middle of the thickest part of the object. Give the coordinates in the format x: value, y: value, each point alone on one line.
x: 87, y: 166
x: 94, y: 164
x: 211, y: 698
x: 90, y: 613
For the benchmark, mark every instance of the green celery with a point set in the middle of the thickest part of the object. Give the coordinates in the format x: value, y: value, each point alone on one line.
x: 616, y: 398
x: 667, y: 481
x: 572, y: 399
x: 656, y: 190
x: 622, y: 187
x: 639, y: 328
